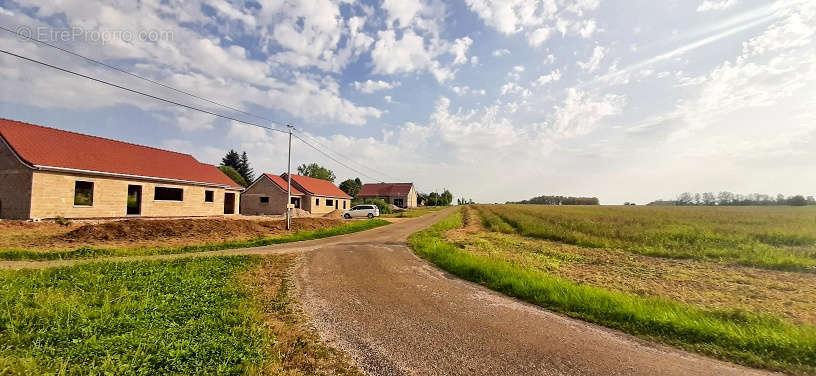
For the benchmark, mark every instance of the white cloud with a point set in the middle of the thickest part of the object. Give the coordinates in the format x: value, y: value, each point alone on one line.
x: 410, y: 54
x: 370, y: 86
x: 587, y: 28
x: 501, y: 52
x: 548, y: 78
x: 538, y: 36
x: 402, y: 11
x: 512, y: 16
x: 464, y: 90
x: 594, y: 61
x: 459, y: 50
x: 474, y: 60
x: 581, y: 113
x: 708, y: 5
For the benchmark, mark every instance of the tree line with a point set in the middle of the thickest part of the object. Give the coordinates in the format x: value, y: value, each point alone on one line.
x: 733, y: 199
x: 559, y: 200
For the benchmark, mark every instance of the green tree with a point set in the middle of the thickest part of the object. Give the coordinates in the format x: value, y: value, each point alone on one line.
x: 316, y: 171
x: 245, y: 169
x: 434, y: 199
x: 234, y: 175
x: 797, y: 200
x: 239, y: 163
x: 446, y: 198
x: 351, y: 187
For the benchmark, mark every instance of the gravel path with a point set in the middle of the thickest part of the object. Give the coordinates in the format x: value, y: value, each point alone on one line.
x: 395, y: 314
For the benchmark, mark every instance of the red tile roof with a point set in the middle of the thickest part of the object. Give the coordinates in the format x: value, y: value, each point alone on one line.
x: 48, y: 147
x: 385, y: 189
x: 281, y: 182
x: 318, y: 187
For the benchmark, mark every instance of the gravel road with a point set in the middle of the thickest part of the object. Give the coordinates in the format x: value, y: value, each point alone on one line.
x: 397, y: 315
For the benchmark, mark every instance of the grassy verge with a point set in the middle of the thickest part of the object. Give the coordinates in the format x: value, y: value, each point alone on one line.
x: 413, y: 213
x: 220, y: 315
x: 177, y: 317
x: 769, y: 238
x: 753, y: 340
x: 90, y: 252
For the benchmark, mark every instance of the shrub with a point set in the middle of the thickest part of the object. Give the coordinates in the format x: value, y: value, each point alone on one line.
x: 382, y: 205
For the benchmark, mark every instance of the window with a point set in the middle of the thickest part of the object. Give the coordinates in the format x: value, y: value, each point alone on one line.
x: 168, y: 194
x: 344, y: 204
x: 264, y: 200
x: 83, y: 193
x: 329, y: 202
x: 317, y: 202
x: 209, y: 196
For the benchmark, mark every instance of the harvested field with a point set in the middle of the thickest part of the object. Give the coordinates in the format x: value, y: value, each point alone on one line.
x: 147, y: 233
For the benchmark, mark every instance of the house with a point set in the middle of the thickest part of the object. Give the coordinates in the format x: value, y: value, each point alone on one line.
x: 403, y: 195
x: 267, y: 196
x: 48, y: 173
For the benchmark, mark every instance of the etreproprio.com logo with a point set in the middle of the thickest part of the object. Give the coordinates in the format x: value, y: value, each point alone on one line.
x: 74, y: 33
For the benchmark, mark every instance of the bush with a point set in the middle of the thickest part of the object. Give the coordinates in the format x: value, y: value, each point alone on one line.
x: 381, y: 204
x: 60, y: 220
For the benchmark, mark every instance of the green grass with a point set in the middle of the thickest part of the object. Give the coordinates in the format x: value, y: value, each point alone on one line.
x: 90, y: 252
x: 190, y: 316
x: 739, y: 336
x: 413, y: 213
x: 781, y: 238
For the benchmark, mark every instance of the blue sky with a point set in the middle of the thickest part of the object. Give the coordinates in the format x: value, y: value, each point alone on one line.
x: 494, y: 100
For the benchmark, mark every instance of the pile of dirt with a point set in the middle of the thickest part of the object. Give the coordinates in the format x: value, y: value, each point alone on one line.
x: 334, y: 214
x: 300, y: 213
x: 209, y: 229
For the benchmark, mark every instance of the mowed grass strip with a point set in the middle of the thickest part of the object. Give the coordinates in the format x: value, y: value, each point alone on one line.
x: 175, y: 317
x: 753, y: 340
x: 416, y: 212
x: 92, y: 252
x: 780, y: 238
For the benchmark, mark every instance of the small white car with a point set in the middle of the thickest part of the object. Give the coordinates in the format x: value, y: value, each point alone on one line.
x: 359, y: 211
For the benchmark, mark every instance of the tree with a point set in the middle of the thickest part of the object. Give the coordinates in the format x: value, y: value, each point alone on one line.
x: 446, y: 198
x: 234, y: 175
x: 351, y: 187
x: 316, y: 171
x: 797, y: 200
x: 245, y: 170
x: 433, y: 199
x: 240, y: 164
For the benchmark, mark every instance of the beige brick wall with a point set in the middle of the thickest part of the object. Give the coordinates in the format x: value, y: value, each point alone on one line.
x: 53, y: 195
x: 323, y: 208
x: 251, y: 199
x: 15, y: 185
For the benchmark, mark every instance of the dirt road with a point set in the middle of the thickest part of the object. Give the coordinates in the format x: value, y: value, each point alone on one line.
x: 396, y: 314
x: 369, y: 295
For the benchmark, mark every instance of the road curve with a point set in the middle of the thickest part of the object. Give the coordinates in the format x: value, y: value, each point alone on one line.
x: 395, y: 314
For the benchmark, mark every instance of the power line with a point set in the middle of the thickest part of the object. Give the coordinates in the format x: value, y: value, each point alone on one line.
x: 115, y: 68
x: 138, y: 92
x: 334, y: 159
x: 315, y: 140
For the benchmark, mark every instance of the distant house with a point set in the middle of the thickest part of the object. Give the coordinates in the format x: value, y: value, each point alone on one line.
x: 48, y: 173
x: 403, y: 195
x: 267, y: 195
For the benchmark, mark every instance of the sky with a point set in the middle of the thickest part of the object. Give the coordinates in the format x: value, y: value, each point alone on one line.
x: 493, y: 100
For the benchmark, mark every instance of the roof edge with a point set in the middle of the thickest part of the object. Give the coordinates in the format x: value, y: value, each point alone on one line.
x: 113, y: 174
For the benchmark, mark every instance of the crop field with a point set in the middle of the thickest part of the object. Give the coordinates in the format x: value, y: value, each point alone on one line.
x: 733, y: 283
x: 219, y: 315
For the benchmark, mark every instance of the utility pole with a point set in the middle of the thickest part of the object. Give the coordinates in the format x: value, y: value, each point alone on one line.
x: 289, y: 183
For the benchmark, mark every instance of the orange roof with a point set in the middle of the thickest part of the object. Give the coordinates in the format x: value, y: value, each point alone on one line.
x: 318, y: 187
x: 385, y: 189
x: 50, y: 148
x: 281, y: 182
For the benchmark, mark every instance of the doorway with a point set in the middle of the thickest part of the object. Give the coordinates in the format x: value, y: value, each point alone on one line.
x: 229, y: 203
x: 134, y: 200
x: 296, y: 202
